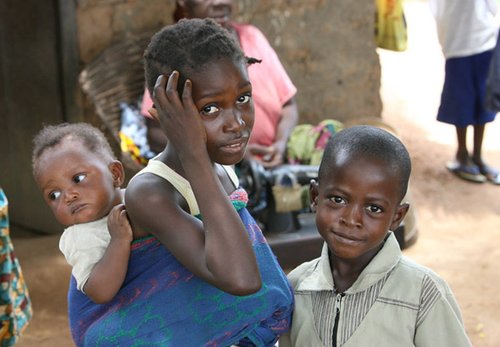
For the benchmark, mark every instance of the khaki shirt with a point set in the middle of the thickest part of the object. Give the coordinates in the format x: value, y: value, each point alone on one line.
x: 394, y: 302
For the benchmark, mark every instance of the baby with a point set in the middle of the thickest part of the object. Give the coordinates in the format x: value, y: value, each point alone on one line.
x: 74, y: 167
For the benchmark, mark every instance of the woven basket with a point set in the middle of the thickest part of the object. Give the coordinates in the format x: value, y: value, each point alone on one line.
x: 116, y: 75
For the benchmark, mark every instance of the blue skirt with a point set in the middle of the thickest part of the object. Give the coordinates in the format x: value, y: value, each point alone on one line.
x: 464, y: 91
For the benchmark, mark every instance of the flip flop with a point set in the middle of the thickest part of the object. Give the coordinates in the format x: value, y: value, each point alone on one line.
x: 469, y: 173
x: 491, y: 174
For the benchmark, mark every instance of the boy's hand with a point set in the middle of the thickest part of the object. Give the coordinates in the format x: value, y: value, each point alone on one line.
x: 118, y: 224
x: 179, y: 118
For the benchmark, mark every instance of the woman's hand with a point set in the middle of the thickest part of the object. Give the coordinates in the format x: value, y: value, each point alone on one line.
x: 268, y: 156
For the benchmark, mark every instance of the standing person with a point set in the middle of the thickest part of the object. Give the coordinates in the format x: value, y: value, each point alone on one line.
x: 273, y: 92
x: 362, y: 291
x: 467, y: 32
x: 80, y: 180
x: 15, y: 308
x: 200, y: 271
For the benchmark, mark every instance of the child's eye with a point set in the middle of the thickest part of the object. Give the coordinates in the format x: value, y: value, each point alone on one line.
x: 54, y: 195
x: 78, y: 178
x: 210, y: 110
x: 244, y: 99
x: 337, y: 200
x: 374, y: 209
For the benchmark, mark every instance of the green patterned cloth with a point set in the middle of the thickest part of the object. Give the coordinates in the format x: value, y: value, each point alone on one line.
x: 15, y: 304
x: 307, y: 142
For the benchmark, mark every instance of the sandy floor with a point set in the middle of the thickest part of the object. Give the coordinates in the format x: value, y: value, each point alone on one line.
x: 459, y: 222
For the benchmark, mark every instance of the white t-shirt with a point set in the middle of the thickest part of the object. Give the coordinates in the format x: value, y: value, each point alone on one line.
x: 465, y: 27
x: 83, y: 245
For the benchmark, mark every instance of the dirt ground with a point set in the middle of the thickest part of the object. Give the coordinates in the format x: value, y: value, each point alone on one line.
x: 459, y: 222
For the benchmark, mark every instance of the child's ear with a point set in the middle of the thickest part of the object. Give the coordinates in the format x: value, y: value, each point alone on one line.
x: 313, y: 194
x: 117, y: 172
x: 400, y: 214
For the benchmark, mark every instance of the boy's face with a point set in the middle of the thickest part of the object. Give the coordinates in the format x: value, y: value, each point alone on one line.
x: 78, y: 185
x: 357, y: 202
x: 223, y: 95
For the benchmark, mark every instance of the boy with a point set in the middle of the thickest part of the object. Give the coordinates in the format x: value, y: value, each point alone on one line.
x: 80, y: 179
x: 362, y: 291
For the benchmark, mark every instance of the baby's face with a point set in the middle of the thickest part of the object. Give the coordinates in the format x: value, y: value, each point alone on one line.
x: 77, y: 184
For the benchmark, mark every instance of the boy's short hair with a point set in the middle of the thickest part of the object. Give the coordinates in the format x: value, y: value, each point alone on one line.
x: 52, y: 135
x: 187, y: 46
x: 372, y: 142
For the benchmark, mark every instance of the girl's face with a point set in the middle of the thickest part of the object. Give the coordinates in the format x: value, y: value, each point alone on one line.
x: 78, y: 185
x: 357, y: 202
x: 223, y: 95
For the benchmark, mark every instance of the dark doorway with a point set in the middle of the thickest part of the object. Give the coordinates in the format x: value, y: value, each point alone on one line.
x: 38, y: 69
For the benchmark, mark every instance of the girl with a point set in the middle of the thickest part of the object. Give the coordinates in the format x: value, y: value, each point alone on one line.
x: 200, y: 271
x: 276, y: 111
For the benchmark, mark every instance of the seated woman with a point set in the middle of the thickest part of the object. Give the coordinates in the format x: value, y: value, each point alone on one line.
x: 276, y: 112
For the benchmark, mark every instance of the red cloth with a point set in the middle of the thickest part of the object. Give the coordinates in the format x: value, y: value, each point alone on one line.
x: 271, y: 86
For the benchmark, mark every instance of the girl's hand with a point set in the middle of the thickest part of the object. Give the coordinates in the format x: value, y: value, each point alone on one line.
x: 179, y: 118
x: 118, y: 224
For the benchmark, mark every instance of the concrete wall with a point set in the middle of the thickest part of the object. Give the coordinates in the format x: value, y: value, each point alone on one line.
x: 327, y: 46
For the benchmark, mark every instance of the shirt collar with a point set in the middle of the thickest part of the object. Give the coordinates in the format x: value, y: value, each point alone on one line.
x: 320, y: 278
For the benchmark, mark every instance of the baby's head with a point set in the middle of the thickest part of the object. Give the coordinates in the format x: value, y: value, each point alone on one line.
x: 362, y: 180
x: 187, y: 47
x: 77, y: 172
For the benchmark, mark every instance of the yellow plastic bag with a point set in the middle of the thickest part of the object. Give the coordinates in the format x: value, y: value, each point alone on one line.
x: 390, y: 25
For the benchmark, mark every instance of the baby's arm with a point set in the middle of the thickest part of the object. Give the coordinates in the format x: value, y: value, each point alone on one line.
x: 107, y: 276
x: 218, y: 249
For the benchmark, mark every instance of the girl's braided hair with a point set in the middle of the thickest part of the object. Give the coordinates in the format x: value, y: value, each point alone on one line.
x: 186, y: 46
